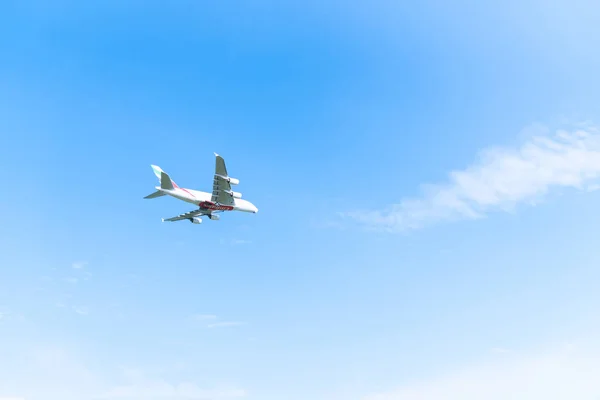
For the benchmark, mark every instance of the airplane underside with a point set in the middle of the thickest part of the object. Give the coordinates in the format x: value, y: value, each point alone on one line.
x: 221, y: 199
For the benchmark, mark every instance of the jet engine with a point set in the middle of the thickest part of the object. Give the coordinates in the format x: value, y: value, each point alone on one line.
x: 235, y: 195
x: 214, y: 217
x: 196, y: 220
x: 232, y: 181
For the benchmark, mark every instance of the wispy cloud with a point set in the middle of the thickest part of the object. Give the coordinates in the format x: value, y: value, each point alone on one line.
x: 203, y: 317
x: 165, y: 390
x: 499, y: 180
x: 145, y: 388
x: 79, y: 264
x: 225, y: 324
x: 500, y: 350
x: 59, y: 375
x: 81, y: 310
x: 564, y: 373
x: 3, y: 312
x: 207, y: 318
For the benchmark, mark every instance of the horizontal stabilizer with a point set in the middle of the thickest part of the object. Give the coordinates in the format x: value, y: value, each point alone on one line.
x: 154, y: 195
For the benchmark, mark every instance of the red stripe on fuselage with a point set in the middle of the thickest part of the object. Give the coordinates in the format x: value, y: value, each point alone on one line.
x: 185, y: 190
x: 212, y: 206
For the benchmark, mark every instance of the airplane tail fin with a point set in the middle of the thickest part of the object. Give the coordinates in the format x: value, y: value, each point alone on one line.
x: 157, y: 171
x: 166, y: 182
x: 163, y: 178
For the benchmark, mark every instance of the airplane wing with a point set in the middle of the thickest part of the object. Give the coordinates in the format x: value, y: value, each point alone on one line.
x: 221, y: 183
x: 186, y: 215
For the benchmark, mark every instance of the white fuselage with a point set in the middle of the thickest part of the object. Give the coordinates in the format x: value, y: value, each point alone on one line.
x: 204, y: 200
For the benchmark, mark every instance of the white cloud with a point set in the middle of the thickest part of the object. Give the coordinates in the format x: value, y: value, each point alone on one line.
x: 81, y: 310
x: 55, y: 373
x: 58, y: 375
x: 204, y: 317
x: 211, y: 317
x: 139, y: 386
x: 4, y: 314
x: 225, y: 324
x: 163, y: 390
x: 500, y: 350
x: 501, y: 179
x: 569, y: 372
x: 79, y: 264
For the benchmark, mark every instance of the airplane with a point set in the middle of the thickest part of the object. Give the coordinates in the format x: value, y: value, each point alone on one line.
x: 221, y: 199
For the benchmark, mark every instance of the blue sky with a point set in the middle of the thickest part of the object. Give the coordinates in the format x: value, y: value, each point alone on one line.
x: 426, y: 177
